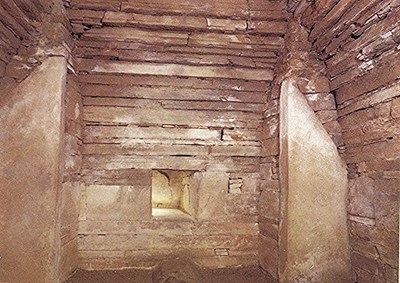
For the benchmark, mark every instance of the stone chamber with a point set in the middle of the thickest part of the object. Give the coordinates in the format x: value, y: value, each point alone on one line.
x: 199, y: 141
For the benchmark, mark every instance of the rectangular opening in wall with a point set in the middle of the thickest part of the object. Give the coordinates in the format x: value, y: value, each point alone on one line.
x: 172, y: 194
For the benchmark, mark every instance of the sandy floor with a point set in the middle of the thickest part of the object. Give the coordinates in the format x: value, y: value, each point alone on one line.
x: 241, y: 275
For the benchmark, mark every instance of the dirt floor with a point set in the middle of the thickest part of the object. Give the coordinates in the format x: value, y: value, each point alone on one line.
x: 239, y: 275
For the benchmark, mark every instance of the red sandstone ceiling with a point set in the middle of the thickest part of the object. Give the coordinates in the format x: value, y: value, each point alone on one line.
x: 242, y: 34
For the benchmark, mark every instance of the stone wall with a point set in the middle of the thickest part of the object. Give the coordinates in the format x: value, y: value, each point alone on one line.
x: 30, y: 32
x: 176, y: 86
x: 359, y: 41
x: 299, y: 62
x: 125, y: 138
x: 32, y: 133
x: 71, y: 183
x: 16, y: 28
x: 181, y: 89
x: 313, y: 239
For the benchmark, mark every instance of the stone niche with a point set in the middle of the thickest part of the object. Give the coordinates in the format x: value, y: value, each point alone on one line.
x: 172, y: 193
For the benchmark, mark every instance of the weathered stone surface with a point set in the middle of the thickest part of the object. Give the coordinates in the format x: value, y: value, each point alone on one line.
x: 121, y: 245
x: 200, y: 56
x: 361, y: 197
x: 327, y: 116
x: 102, y: 134
x: 111, y: 5
x: 304, y: 231
x: 335, y: 132
x: 241, y: 204
x: 321, y: 101
x: 175, y: 70
x: 270, y: 147
x: 395, y: 111
x: 69, y: 207
x: 316, y: 84
x: 270, y: 127
x: 386, y: 203
x: 154, y: 88
x: 213, y: 190
x: 166, y: 117
x: 267, y: 228
x: 365, y: 248
x: 69, y: 259
x: 191, y: 139
x: 375, y: 152
x: 269, y: 204
x: 251, y: 183
x: 32, y: 134
x: 270, y: 185
x: 364, y: 76
x: 115, y: 82
x: 117, y: 202
x: 177, y: 270
x: 379, y: 76
x: 272, y: 108
x: 129, y: 177
x: 268, y: 253
x: 377, y: 114
x: 220, y: 9
x: 165, y: 22
x: 268, y: 27
x: 189, y: 91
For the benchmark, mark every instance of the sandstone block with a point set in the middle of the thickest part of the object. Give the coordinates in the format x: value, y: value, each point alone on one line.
x: 268, y: 228
x: 386, y: 203
x: 270, y: 147
x: 268, y: 204
x: 268, y: 253
x: 327, y: 115
x: 69, y: 259
x: 365, y: 263
x: 270, y: 127
x: 213, y: 190
x: 364, y: 247
x: 118, y: 202
x: 312, y: 167
x: 251, y: 183
x: 361, y: 197
x: 395, y: 111
x: 242, y: 204
x: 316, y: 84
x: 30, y: 174
x: 270, y: 184
x: 126, y: 67
x: 321, y: 101
x: 272, y: 108
x: 226, y: 24
x: 70, y: 194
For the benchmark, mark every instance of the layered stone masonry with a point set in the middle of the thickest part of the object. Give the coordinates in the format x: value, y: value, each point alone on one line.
x: 30, y: 32
x: 71, y: 181
x: 173, y: 87
x: 360, y: 45
x: 298, y: 61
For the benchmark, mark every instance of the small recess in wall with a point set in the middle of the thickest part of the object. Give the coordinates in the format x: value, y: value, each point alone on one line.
x: 235, y: 185
x: 221, y: 252
x: 172, y: 194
